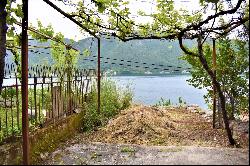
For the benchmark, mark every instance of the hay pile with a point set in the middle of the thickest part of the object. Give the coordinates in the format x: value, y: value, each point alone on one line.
x: 152, y: 126
x: 140, y: 125
x: 159, y: 126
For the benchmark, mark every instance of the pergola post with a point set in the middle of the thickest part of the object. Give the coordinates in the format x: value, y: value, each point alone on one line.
x: 99, y: 77
x: 214, y: 88
x: 24, y: 64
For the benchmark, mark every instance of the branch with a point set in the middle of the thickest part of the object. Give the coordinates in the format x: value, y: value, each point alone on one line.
x: 195, y: 27
x: 47, y: 36
x: 183, y: 31
x: 70, y: 17
x: 216, y: 9
x: 232, y: 28
x: 184, y: 49
x: 88, y: 20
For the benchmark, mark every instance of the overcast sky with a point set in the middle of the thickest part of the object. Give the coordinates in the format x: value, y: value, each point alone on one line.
x: 40, y: 10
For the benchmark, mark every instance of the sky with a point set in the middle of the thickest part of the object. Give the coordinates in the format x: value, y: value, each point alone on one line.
x: 47, y: 15
x: 38, y: 9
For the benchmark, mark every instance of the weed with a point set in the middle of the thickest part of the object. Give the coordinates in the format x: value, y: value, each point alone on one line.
x: 173, y: 149
x: 127, y: 149
x: 182, y: 102
x: 113, y: 100
x: 166, y: 103
x: 163, y: 102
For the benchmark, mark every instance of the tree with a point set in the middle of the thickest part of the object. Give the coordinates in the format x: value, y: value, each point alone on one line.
x: 3, y: 30
x: 9, y: 15
x: 232, y: 73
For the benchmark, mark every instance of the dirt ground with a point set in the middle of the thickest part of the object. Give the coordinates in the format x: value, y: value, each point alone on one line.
x: 117, y: 154
x: 154, y: 135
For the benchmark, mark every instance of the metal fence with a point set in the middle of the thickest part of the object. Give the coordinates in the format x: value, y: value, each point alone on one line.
x: 53, y: 93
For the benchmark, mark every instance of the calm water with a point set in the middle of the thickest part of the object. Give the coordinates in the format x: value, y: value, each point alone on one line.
x: 149, y: 89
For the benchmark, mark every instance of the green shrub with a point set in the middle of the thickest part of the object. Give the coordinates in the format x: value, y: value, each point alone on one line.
x: 113, y: 99
x: 163, y: 102
x: 1, y: 136
x: 182, y: 102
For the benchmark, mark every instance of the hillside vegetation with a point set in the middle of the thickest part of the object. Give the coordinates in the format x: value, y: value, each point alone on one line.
x: 135, y: 56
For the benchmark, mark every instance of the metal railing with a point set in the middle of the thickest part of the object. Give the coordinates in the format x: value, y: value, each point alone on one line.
x: 53, y: 94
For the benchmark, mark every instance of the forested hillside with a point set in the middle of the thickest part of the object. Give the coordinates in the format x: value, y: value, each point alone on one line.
x: 131, y: 57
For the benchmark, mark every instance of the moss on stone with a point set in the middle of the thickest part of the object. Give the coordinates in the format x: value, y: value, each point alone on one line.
x: 48, y: 139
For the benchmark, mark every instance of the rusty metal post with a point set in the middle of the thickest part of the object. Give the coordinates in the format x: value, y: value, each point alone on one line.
x: 51, y: 114
x: 25, y: 123
x: 35, y: 84
x: 43, y: 92
x: 6, y: 110
x: 11, y: 109
x: 17, y: 103
x: 99, y: 77
x: 214, y: 89
x: 81, y: 89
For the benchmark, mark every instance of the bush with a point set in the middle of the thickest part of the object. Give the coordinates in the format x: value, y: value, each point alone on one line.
x: 182, y: 102
x: 166, y: 103
x: 1, y: 136
x: 163, y: 102
x: 113, y: 99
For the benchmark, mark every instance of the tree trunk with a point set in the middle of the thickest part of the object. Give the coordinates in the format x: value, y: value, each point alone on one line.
x: 219, y: 114
x: 3, y: 31
x: 218, y: 89
x: 232, y: 102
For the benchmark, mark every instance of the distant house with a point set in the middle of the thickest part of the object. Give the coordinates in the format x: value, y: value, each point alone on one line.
x: 185, y: 72
x: 148, y: 72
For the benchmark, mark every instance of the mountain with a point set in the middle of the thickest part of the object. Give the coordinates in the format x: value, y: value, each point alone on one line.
x: 145, y: 55
x: 135, y: 56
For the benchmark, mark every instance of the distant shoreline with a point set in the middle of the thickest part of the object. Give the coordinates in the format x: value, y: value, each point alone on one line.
x: 175, y: 74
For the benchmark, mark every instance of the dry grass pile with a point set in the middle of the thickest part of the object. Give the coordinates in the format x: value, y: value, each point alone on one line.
x: 159, y: 126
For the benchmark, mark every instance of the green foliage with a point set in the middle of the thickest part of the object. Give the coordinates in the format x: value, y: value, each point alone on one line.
x: 9, y: 115
x: 181, y: 102
x: 232, y: 73
x: 127, y: 149
x: 64, y: 58
x: 6, y: 126
x: 43, y: 30
x: 14, y: 13
x: 163, y: 102
x: 8, y: 93
x: 113, y: 100
x: 1, y: 136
